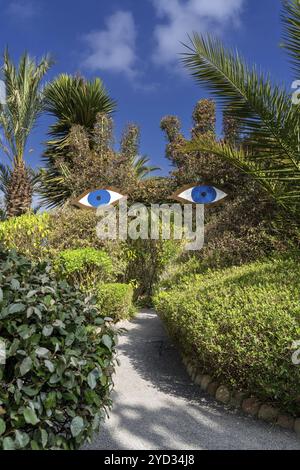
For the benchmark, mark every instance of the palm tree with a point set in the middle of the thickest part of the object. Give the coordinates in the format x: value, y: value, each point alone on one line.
x: 72, y: 101
x: 142, y: 168
x: 24, y: 103
x: 265, y: 113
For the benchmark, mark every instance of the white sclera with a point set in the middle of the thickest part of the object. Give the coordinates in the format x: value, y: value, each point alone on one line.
x: 187, y: 194
x: 114, y: 196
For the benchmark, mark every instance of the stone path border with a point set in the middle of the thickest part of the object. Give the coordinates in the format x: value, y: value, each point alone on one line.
x: 250, y: 405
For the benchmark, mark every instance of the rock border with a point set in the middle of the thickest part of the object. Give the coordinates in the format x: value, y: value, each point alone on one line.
x: 249, y: 404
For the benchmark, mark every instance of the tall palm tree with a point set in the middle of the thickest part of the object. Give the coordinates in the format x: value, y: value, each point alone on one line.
x: 72, y: 101
x: 23, y: 104
x: 265, y: 113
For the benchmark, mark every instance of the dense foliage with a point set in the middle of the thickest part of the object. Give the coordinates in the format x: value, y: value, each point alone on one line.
x: 57, y: 376
x: 84, y: 267
x: 87, y: 160
x: 147, y: 262
x: 27, y: 234
x: 239, y: 324
x: 115, y: 300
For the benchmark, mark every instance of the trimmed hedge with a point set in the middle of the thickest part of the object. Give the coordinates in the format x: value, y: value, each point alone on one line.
x: 57, y: 378
x: 84, y: 267
x: 239, y: 324
x: 115, y: 300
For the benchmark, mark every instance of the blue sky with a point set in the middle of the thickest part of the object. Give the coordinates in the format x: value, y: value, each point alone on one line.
x: 134, y: 46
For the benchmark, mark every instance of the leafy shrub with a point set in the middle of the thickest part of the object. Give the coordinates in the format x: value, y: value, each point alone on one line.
x: 42, y: 236
x: 74, y: 228
x: 240, y: 324
x: 115, y: 300
x: 27, y: 234
x: 85, y: 267
x: 56, y: 381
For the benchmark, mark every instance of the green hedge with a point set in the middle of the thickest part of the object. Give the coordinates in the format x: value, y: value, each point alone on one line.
x: 240, y: 324
x: 115, y: 300
x: 85, y: 267
x: 57, y: 378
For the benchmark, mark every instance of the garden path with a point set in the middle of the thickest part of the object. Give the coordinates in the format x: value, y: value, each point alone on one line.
x: 156, y: 406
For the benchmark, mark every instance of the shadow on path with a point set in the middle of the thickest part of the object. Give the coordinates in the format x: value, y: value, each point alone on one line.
x: 156, y: 406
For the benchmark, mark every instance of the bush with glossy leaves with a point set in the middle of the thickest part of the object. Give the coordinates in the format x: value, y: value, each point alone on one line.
x: 57, y: 377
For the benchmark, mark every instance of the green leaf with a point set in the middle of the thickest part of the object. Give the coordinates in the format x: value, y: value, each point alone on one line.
x: 26, y: 365
x: 30, y: 416
x: 34, y: 445
x: 77, y: 426
x: 16, y: 308
x: 92, y: 378
x: 1, y: 295
x: 30, y: 391
x: 44, y: 437
x: 42, y: 352
x: 54, y: 379
x: 50, y: 401
x: 48, y: 300
x: 8, y: 444
x: 22, y: 439
x: 31, y: 293
x: 15, y: 284
x: 47, y: 330
x: 2, y: 426
x: 49, y: 365
x: 107, y: 341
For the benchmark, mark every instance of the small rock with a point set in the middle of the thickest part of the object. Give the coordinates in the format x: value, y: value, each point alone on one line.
x: 251, y: 406
x: 286, y: 422
x: 198, y: 379
x: 223, y: 394
x: 206, y: 380
x: 268, y: 413
x: 237, y: 399
x: 297, y: 426
x: 212, y: 388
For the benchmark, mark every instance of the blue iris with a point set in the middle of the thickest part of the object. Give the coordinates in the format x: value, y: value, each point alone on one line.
x: 204, y: 194
x: 100, y: 197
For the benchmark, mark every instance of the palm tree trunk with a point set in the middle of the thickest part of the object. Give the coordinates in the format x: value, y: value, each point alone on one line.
x: 19, y: 191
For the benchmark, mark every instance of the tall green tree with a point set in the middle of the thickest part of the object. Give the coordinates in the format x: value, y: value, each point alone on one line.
x: 264, y: 111
x: 18, y: 114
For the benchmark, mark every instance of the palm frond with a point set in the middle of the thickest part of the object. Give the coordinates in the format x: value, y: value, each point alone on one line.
x: 73, y: 100
x: 24, y: 100
x: 5, y: 175
x: 282, y: 184
x: 291, y: 36
x: 142, y: 168
x: 265, y: 113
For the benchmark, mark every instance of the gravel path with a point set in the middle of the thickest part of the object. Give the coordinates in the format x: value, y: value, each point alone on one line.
x: 156, y: 406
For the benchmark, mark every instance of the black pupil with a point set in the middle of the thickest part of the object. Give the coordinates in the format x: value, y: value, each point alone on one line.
x: 203, y: 194
x: 98, y: 198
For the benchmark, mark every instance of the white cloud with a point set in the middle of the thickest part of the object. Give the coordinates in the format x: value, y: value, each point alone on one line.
x: 183, y: 17
x: 114, y: 47
x: 22, y: 9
